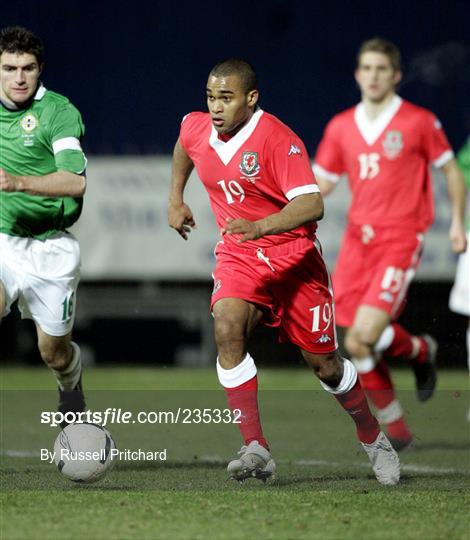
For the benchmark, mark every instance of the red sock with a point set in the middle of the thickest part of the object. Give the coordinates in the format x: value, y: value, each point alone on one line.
x: 402, y: 344
x: 245, y: 399
x: 379, y: 389
x: 378, y: 385
x: 355, y: 404
x: 423, y: 352
x: 399, y: 430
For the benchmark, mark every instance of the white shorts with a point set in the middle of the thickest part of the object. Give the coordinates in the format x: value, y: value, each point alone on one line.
x: 43, y: 275
x: 459, y: 300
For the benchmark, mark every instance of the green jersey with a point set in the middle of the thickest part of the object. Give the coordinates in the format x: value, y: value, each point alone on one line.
x: 40, y: 140
x: 463, y: 159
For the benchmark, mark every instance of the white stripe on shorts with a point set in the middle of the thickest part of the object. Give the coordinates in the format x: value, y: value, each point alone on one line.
x: 409, y: 274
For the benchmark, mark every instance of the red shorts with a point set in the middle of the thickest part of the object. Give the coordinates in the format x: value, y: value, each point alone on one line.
x: 375, y: 267
x: 288, y: 282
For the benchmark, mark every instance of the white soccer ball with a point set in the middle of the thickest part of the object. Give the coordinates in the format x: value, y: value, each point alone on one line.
x: 84, y: 452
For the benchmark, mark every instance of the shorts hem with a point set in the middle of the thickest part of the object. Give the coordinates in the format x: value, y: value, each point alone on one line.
x: 262, y: 307
x: 48, y: 329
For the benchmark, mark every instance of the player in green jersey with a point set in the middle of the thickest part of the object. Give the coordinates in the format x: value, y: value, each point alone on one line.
x: 42, y: 182
x: 459, y: 300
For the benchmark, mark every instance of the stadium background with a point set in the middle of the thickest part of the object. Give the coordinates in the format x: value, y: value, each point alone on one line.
x: 133, y: 73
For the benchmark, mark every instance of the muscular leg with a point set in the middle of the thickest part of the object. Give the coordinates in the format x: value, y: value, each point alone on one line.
x: 361, y: 342
x: 56, y: 351
x: 369, y: 324
x: 62, y: 356
x: 338, y: 376
x: 3, y: 300
x: 234, y: 320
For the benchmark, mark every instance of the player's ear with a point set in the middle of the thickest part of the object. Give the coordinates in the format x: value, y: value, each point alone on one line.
x: 397, y: 76
x: 253, y: 96
x: 356, y: 75
x: 41, y: 68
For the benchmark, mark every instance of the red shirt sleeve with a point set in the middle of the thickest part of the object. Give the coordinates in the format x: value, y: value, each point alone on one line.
x: 435, y: 144
x: 291, y: 169
x: 185, y: 128
x: 329, y: 154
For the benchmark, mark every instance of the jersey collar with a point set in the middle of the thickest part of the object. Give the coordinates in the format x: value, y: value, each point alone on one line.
x: 372, y: 129
x: 226, y: 150
x: 40, y: 92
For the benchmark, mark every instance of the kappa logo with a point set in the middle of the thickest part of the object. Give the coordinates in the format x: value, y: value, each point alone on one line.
x: 386, y: 297
x: 294, y: 149
x: 323, y: 339
x: 392, y: 144
x: 217, y: 286
x: 368, y: 233
x: 249, y: 165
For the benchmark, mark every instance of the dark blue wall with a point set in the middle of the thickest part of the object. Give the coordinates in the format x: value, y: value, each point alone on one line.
x: 134, y: 68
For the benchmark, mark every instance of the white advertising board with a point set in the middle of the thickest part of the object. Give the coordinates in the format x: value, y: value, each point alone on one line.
x: 123, y: 230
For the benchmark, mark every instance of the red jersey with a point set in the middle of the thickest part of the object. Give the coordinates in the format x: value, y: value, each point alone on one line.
x: 252, y: 175
x: 387, y: 162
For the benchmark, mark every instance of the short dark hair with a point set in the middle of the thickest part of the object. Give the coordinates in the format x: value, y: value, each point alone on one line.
x: 16, y: 39
x: 241, y: 68
x: 381, y: 45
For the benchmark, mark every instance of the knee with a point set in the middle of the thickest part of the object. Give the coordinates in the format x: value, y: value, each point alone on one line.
x: 229, y: 331
x: 327, y: 367
x: 353, y: 344
x: 54, y: 355
x: 360, y: 342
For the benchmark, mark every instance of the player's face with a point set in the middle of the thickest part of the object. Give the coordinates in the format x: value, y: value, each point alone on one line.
x: 19, y: 75
x: 230, y: 106
x: 376, y: 77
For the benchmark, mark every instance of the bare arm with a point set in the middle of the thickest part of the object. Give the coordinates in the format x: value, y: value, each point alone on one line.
x: 299, y: 211
x: 180, y: 216
x: 456, y: 190
x: 57, y: 184
x: 326, y: 186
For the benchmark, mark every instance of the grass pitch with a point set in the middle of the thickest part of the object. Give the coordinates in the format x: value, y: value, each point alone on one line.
x: 324, y: 487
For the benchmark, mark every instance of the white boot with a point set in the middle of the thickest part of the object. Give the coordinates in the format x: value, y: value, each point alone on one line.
x: 255, y: 461
x: 384, y: 459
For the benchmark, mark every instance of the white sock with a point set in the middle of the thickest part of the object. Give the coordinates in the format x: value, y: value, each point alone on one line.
x: 68, y: 378
x: 347, y: 382
x: 231, y: 378
x: 364, y: 365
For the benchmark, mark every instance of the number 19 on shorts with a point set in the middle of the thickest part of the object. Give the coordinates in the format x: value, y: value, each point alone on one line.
x: 322, y: 315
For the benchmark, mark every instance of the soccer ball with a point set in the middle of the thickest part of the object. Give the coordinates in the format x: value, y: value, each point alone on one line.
x: 84, y: 452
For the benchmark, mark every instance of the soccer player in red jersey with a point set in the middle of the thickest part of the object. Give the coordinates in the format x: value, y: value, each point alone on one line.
x: 386, y: 145
x: 269, y: 267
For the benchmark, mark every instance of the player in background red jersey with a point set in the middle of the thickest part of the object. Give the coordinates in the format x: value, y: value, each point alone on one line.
x: 269, y: 267
x: 386, y: 145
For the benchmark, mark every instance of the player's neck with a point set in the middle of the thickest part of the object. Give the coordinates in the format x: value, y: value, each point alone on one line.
x: 227, y: 136
x: 12, y: 106
x: 374, y: 108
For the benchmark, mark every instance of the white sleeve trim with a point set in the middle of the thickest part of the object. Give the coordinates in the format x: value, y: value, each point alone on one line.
x: 320, y: 171
x: 302, y: 190
x: 67, y: 143
x: 443, y: 159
